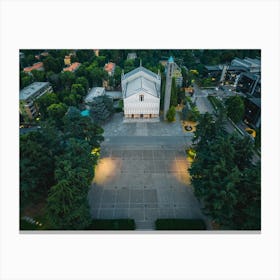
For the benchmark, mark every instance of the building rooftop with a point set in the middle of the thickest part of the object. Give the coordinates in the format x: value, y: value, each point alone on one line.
x: 247, y: 62
x: 109, y: 67
x: 141, y: 83
x: 132, y: 55
x: 95, y: 92
x: 171, y: 59
x: 28, y: 91
x: 73, y: 67
x: 35, y: 66
x: 251, y: 76
x: 256, y: 101
x: 114, y: 94
x: 139, y: 69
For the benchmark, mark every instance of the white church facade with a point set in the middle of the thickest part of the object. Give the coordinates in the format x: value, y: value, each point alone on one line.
x: 141, y: 94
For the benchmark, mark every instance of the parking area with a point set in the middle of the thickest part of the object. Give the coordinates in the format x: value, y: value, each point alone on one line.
x: 142, y: 184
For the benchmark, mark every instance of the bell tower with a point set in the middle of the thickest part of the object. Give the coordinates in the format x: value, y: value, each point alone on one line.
x: 168, y: 83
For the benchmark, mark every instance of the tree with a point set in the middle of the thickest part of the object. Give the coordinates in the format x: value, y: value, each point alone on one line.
x: 25, y: 79
x: 117, y: 76
x: 67, y: 205
x: 170, y: 115
x: 128, y: 65
x: 52, y: 64
x: 214, y: 178
x: 224, y: 178
x: 29, y: 59
x: 85, y: 55
x: 78, y: 89
x: 173, y: 98
x: 244, y: 151
x: 57, y: 112
x: 78, y: 127
x: 66, y: 79
x: 162, y: 91
x: 44, y: 102
x: 235, y: 108
x: 84, y: 82
x: 207, y: 129
x: 97, y: 76
x: 38, y: 76
x: 101, y: 109
x: 248, y: 211
x: 36, y: 168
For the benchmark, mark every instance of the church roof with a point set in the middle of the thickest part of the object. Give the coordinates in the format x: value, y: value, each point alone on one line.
x: 143, y: 84
x: 139, y: 69
x: 141, y: 79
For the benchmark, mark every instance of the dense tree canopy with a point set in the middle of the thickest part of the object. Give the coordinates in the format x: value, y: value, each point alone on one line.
x: 101, y: 109
x: 235, y: 108
x: 224, y: 178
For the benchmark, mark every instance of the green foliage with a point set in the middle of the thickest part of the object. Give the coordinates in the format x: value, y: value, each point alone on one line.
x: 84, y: 82
x: 25, y: 79
x: 29, y: 58
x: 174, y: 97
x: 78, y: 89
x: 53, y: 64
x: 258, y: 138
x: 66, y: 79
x: 181, y: 96
x: 128, y: 65
x: 170, y: 115
x: 66, y: 207
x: 117, y: 224
x: 117, y: 76
x: 208, y: 82
x: 223, y: 178
x: 207, y: 129
x: 76, y: 126
x: 57, y: 111
x: 162, y: 91
x: 101, y: 109
x: 36, y: 168
x: 57, y: 166
x: 85, y: 55
x: 44, y: 102
x: 180, y: 224
x: 235, y: 108
x: 38, y: 76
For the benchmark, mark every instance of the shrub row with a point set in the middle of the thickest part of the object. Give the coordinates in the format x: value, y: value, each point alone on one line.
x: 129, y: 224
x: 117, y: 224
x: 180, y: 224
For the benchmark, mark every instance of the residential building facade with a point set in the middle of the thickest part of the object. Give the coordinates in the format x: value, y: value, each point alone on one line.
x: 28, y: 95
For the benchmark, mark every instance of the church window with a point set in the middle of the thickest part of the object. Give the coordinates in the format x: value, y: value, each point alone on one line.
x: 141, y: 98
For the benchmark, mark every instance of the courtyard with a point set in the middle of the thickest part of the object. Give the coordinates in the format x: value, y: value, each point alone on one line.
x: 143, y: 177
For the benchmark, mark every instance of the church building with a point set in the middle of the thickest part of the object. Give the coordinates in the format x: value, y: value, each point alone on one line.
x: 141, y: 94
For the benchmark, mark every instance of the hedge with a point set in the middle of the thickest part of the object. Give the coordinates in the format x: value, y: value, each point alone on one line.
x: 110, y: 224
x: 180, y: 224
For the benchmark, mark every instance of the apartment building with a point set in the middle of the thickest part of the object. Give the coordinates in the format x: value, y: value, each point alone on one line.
x: 28, y: 95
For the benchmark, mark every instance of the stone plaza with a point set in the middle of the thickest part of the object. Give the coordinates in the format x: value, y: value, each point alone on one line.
x: 143, y: 177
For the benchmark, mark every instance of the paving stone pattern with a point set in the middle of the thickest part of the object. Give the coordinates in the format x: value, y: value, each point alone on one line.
x: 145, y: 184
